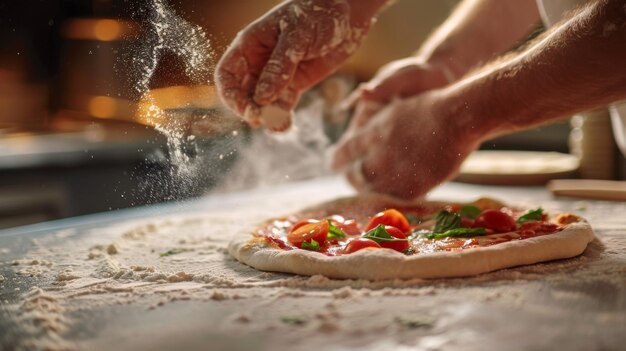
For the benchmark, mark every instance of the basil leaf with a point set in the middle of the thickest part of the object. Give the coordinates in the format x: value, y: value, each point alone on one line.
x: 531, y: 215
x: 293, y: 320
x: 313, y: 245
x: 445, y: 221
x: 334, y: 232
x: 469, y: 211
x: 379, y: 235
x: 413, y: 219
x: 462, y: 232
x: 414, y: 323
x: 171, y: 252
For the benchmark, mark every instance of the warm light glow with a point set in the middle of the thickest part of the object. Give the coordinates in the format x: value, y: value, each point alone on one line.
x: 106, y: 30
x: 151, y: 106
x: 199, y: 96
x: 102, y: 107
x: 98, y: 29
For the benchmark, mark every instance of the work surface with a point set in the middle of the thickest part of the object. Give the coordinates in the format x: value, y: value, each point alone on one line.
x: 159, y: 278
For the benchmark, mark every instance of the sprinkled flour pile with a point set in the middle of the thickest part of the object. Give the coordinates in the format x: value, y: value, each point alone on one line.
x: 174, y: 262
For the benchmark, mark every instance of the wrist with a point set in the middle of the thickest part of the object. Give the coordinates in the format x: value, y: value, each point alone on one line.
x: 448, y: 74
x: 460, y: 106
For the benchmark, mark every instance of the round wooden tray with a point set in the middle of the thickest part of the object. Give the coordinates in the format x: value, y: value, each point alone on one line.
x: 516, y: 167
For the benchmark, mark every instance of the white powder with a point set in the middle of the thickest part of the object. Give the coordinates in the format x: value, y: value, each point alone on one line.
x: 167, y: 32
x: 183, y: 258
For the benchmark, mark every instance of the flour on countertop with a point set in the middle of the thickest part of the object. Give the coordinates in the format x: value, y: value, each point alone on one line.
x: 157, y: 262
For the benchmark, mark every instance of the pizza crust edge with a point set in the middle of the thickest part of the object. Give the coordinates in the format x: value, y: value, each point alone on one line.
x: 383, y: 264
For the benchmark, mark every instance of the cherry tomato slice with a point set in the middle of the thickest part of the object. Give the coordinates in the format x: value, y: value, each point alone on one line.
x: 496, y: 220
x: 349, y: 227
x: 390, y: 217
x: 548, y: 228
x: 301, y: 223
x: 536, y: 228
x: 309, y: 231
x: 357, y: 244
x: 400, y: 246
x: 467, y: 222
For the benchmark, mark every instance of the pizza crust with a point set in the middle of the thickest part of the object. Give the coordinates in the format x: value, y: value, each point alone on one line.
x: 382, y: 264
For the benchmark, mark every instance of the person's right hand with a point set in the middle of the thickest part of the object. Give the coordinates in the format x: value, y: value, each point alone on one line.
x: 292, y: 47
x: 398, y: 79
x: 410, y: 146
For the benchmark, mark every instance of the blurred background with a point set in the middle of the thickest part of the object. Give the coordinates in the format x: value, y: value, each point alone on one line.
x: 76, y: 137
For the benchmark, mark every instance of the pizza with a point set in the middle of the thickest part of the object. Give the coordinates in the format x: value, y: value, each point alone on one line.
x: 375, y: 237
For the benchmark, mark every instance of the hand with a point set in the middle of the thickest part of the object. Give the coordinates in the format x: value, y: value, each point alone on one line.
x: 288, y: 50
x: 409, y: 147
x: 402, y: 78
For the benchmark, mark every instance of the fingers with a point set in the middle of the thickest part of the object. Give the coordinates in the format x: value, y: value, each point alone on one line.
x: 273, y: 99
x: 356, y: 176
x: 229, y: 77
x: 363, y: 113
x: 360, y: 174
x: 353, y: 146
x: 378, y: 173
x: 234, y: 80
x: 279, y: 69
x: 351, y: 100
x: 234, y: 91
x: 365, y: 133
x: 399, y: 78
x: 370, y: 173
x: 378, y: 92
x: 384, y: 85
x: 397, y: 83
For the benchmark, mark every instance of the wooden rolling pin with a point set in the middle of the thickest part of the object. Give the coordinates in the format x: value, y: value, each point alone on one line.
x: 589, y: 189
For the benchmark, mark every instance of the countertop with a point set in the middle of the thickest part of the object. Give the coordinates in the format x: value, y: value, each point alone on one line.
x: 159, y: 278
x: 27, y: 150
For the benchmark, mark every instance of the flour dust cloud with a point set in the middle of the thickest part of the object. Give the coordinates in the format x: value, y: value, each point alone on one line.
x: 189, y: 43
x: 237, y: 159
x: 166, y: 33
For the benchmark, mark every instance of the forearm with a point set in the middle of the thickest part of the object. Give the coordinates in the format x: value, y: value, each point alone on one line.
x: 477, y: 31
x: 577, y: 66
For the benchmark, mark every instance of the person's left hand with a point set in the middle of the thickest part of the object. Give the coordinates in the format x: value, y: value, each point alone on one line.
x: 398, y: 79
x: 408, y: 147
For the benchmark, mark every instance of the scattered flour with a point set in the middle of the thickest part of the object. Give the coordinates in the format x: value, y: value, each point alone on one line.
x: 32, y: 267
x: 112, y: 249
x: 156, y: 262
x: 66, y: 276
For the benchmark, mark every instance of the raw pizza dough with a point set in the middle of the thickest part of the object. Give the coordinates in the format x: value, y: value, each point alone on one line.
x: 381, y: 264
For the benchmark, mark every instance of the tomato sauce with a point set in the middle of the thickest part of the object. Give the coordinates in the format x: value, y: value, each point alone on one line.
x: 280, y: 232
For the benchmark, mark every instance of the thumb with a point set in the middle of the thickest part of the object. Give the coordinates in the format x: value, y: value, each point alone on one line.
x: 379, y: 91
x: 369, y: 91
x: 279, y: 69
